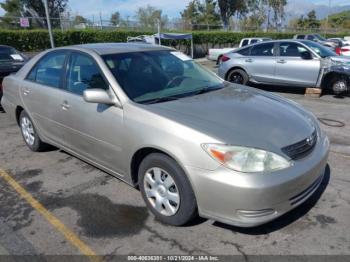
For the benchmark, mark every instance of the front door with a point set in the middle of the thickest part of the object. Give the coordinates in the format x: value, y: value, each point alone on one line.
x: 96, y: 130
x: 292, y: 69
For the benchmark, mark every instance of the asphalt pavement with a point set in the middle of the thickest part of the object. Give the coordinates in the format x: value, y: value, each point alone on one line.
x: 55, y: 204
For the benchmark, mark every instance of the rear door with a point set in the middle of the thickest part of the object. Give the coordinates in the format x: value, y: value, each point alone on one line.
x: 40, y: 93
x: 261, y: 62
x: 292, y: 69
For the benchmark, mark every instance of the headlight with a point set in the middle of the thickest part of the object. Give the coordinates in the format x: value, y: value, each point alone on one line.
x: 246, y: 159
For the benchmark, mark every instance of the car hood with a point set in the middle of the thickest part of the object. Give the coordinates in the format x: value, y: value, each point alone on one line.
x: 240, y: 115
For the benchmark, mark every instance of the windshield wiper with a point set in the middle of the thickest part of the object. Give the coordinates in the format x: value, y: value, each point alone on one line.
x: 159, y: 100
x: 206, y: 90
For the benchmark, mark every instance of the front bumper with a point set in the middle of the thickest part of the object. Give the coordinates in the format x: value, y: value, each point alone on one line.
x: 249, y: 200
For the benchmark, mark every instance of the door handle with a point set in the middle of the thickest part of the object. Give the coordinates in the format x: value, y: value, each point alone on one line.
x: 65, y: 105
x: 249, y: 60
x: 26, y: 91
x: 282, y: 61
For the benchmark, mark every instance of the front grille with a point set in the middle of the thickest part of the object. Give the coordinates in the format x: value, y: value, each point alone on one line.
x: 302, y: 148
x: 304, y: 194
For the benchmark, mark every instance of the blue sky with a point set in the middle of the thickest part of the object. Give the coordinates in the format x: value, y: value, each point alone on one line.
x: 172, y: 8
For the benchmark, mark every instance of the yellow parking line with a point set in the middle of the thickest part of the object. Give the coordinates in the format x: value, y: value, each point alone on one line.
x: 55, y: 222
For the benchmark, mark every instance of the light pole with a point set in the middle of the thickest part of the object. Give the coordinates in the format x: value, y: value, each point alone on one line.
x: 49, y: 23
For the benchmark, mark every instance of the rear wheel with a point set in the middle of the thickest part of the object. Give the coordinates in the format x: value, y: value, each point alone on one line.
x: 29, y: 133
x: 166, y: 190
x: 238, y: 76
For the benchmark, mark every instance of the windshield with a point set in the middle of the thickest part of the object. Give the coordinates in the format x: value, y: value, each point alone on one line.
x: 319, y: 49
x: 156, y: 76
x: 9, y: 54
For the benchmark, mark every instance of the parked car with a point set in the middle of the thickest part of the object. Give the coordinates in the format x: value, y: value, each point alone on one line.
x: 343, y: 41
x: 10, y: 62
x: 318, y: 39
x: 192, y: 142
x: 299, y: 63
x: 216, y: 53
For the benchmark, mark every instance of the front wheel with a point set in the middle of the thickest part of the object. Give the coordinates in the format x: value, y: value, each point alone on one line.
x: 166, y: 190
x: 339, y: 85
x: 29, y: 133
x: 238, y: 76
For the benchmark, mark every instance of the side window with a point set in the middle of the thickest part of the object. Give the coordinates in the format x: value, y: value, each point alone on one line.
x: 266, y: 49
x: 245, y: 42
x: 83, y: 73
x: 48, y: 70
x: 291, y: 49
x: 244, y: 51
x: 300, y: 36
x: 253, y: 41
x: 310, y: 37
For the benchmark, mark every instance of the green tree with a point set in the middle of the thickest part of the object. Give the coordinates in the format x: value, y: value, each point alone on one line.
x: 149, y: 16
x: 208, y: 13
x: 311, y: 21
x: 257, y: 13
x: 115, y: 19
x: 229, y: 8
x: 190, y: 15
x: 277, y: 7
x: 35, y: 9
x: 13, y: 8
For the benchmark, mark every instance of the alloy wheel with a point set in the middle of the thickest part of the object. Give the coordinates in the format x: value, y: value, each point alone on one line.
x: 236, y: 78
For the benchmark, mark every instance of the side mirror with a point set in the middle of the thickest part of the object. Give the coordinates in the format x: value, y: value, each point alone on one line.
x: 99, y: 96
x: 306, y: 55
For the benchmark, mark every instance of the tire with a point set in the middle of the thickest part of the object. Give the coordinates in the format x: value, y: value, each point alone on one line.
x: 160, y: 194
x: 29, y: 134
x: 238, y: 76
x: 339, y: 84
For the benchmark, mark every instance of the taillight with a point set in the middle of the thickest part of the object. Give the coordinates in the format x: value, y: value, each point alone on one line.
x: 338, y: 50
x: 345, y: 50
x: 224, y: 58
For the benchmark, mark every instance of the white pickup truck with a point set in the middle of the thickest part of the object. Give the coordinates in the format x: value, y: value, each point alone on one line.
x: 216, y: 53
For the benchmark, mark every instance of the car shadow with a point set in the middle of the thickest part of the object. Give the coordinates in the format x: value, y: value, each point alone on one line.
x: 287, y: 218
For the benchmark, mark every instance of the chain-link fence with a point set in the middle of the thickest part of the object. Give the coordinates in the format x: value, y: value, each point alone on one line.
x: 67, y: 23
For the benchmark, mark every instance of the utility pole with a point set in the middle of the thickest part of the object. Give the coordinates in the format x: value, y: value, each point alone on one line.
x: 329, y: 13
x: 101, y: 21
x: 158, y: 26
x: 49, y: 23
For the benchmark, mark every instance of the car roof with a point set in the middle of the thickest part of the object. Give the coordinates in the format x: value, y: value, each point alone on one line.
x: 113, y: 48
x: 279, y: 41
x: 6, y: 46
